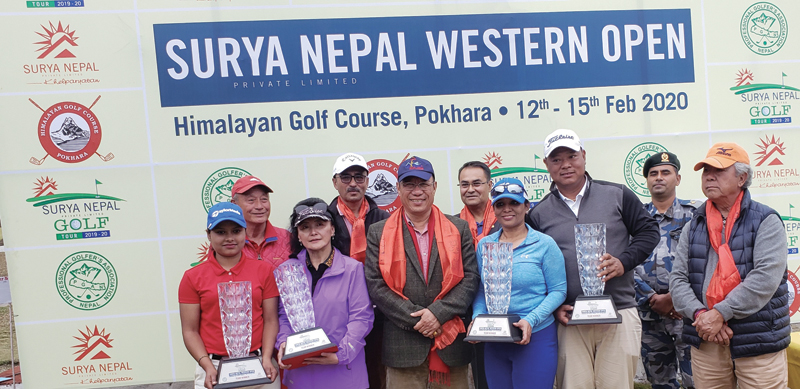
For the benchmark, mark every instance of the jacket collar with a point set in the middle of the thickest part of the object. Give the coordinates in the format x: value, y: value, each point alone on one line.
x: 336, y: 268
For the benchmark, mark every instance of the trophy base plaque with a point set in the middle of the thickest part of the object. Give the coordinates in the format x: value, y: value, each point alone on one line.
x: 594, y: 310
x: 494, y: 328
x: 306, y: 344
x: 239, y: 372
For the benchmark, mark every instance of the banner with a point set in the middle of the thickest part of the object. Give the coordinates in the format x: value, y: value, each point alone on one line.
x: 125, y: 120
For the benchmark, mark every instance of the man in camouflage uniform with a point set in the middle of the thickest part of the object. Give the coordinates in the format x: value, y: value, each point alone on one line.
x: 663, y: 351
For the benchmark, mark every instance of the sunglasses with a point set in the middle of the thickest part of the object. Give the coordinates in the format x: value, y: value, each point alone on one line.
x: 507, y: 188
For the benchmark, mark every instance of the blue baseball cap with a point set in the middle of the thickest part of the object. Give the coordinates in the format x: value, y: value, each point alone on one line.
x: 415, y: 167
x: 509, y: 188
x: 221, y: 212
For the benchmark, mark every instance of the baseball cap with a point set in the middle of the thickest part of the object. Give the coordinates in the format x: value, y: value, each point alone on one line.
x: 509, y: 188
x: 223, y: 211
x: 415, y: 167
x: 663, y: 158
x: 561, y: 138
x: 246, y: 183
x: 347, y: 161
x: 722, y: 155
x: 318, y: 210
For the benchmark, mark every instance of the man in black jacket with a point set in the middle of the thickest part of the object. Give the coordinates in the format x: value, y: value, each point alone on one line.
x: 353, y: 213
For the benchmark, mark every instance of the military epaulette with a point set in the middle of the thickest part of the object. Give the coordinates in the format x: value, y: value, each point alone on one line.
x: 691, y: 203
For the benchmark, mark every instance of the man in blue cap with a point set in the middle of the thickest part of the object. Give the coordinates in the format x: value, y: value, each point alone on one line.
x: 422, y: 274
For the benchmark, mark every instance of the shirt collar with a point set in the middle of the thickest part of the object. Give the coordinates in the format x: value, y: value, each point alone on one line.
x: 580, y: 194
x: 422, y: 230
x: 220, y: 271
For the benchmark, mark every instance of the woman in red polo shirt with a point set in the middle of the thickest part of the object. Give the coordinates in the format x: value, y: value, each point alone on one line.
x: 199, y: 300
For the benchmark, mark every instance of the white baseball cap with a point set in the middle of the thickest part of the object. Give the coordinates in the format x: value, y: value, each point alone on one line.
x: 347, y: 161
x: 561, y: 138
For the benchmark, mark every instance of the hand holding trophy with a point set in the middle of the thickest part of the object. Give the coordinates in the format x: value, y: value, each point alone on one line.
x: 593, y: 307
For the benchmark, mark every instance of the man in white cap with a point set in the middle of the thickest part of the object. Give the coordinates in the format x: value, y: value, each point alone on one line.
x: 353, y: 213
x: 594, y: 355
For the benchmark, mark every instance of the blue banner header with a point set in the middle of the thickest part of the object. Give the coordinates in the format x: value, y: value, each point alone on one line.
x: 296, y: 60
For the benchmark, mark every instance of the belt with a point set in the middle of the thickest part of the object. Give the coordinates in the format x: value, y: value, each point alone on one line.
x: 218, y: 357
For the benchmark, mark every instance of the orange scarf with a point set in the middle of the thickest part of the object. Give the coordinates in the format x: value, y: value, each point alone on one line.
x: 488, y: 220
x: 358, y: 238
x: 726, y: 276
x: 392, y: 262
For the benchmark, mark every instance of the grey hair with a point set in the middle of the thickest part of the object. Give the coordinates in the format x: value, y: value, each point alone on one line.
x: 742, y: 168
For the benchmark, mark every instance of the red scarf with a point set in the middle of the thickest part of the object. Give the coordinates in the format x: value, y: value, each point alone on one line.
x: 358, y: 238
x: 488, y: 220
x: 726, y: 276
x: 392, y: 262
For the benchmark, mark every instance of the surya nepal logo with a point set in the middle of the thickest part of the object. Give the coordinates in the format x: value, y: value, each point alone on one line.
x: 93, y: 364
x: 69, y: 132
x: 769, y: 166
x: 55, y: 63
x: 86, y: 280
x: 767, y: 103
x: 764, y: 28
x: 383, y: 183
x: 634, y: 163
x: 535, y: 179
x: 217, y: 187
x: 77, y: 215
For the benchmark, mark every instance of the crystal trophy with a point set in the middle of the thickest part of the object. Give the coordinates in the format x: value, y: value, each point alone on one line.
x: 592, y: 307
x: 497, y: 325
x: 308, y: 340
x: 239, y: 368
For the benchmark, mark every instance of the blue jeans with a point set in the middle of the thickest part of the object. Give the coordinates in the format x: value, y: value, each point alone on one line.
x: 510, y: 365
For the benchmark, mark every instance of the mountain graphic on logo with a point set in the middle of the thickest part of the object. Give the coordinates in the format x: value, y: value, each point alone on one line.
x: 45, y: 186
x: 90, y: 341
x: 70, y: 137
x: 381, y: 187
x: 55, y: 37
x: 764, y: 21
x: 771, y: 149
x: 86, y: 273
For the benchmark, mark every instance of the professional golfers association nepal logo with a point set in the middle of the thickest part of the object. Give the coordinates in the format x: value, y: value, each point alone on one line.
x: 69, y: 132
x: 53, y: 60
x: 769, y: 162
x: 634, y: 164
x: 764, y: 28
x: 94, y: 360
x: 535, y: 179
x: 217, y: 187
x: 767, y: 103
x: 74, y: 215
x: 383, y: 184
x: 86, y: 280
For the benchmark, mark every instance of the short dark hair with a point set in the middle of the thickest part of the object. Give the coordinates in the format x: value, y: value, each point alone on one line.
x: 477, y: 164
x: 294, y: 242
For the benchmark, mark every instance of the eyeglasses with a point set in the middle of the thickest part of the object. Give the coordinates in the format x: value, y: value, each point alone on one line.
x: 475, y: 184
x: 507, y: 187
x: 410, y: 186
x: 346, y: 178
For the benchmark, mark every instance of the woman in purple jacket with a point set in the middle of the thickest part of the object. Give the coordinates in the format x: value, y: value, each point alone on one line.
x: 341, y: 304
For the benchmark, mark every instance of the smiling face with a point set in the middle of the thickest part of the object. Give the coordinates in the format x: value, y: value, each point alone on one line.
x: 315, y: 234
x: 227, y: 239
x: 567, y: 167
x: 416, y: 195
x: 255, y: 204
x: 662, y: 181
x: 722, y: 185
x: 510, y: 213
x: 477, y: 190
x: 352, y: 191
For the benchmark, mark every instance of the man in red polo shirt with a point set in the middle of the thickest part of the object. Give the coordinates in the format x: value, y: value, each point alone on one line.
x: 264, y: 241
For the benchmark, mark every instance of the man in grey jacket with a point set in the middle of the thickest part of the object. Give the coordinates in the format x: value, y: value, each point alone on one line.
x: 729, y: 280
x: 599, y: 355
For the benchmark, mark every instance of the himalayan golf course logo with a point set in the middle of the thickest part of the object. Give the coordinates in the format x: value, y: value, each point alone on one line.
x: 764, y: 28
x: 767, y: 103
x: 535, y: 179
x: 218, y: 186
x: 383, y: 184
x: 86, y: 280
x: 69, y: 132
x: 634, y: 162
x: 76, y: 215
x: 769, y: 165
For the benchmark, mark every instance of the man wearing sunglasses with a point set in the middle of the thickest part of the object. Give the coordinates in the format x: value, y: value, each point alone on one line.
x: 353, y: 213
x: 595, y: 356
x: 422, y: 274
